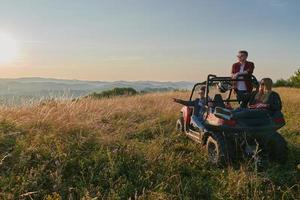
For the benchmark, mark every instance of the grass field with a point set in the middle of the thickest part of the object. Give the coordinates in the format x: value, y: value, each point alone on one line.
x: 126, y: 147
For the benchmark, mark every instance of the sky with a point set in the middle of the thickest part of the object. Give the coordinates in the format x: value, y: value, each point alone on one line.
x: 163, y: 40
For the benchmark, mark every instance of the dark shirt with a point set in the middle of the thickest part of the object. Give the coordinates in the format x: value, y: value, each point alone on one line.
x: 273, y: 101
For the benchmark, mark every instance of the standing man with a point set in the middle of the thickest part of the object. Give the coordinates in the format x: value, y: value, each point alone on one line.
x: 243, y: 69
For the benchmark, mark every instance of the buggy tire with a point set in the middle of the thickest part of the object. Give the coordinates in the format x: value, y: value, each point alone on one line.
x: 216, y: 149
x: 278, y: 150
x: 179, y: 125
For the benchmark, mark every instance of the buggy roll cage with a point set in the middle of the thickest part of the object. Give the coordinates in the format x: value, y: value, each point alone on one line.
x: 212, y: 79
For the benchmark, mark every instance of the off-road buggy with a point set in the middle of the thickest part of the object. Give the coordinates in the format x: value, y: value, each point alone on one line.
x: 230, y: 134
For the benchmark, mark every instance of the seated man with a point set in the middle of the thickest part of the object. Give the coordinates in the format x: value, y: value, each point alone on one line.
x: 264, y: 98
x: 199, y: 108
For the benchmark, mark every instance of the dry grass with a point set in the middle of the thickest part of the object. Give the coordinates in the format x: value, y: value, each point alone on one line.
x: 126, y: 147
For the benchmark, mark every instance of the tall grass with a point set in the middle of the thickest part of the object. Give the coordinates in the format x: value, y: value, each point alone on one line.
x: 126, y: 147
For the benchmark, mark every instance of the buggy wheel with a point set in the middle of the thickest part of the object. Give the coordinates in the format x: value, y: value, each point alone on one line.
x: 278, y: 148
x: 179, y: 125
x: 216, y: 149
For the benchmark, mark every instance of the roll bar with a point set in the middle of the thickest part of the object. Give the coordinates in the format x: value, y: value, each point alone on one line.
x: 211, y: 79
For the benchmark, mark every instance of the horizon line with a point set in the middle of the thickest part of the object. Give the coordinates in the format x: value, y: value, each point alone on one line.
x: 66, y: 79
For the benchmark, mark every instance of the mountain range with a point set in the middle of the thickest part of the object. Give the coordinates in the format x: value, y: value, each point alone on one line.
x: 23, y: 89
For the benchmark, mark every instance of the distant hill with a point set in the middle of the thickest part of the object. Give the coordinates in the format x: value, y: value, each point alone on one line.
x: 15, y: 91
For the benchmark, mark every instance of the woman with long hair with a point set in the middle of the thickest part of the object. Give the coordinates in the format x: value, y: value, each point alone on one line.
x: 265, y: 97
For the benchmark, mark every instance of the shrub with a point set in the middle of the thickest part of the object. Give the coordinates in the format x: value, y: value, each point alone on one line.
x: 115, y: 92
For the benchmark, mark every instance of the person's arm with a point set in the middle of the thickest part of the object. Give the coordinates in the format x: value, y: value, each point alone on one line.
x: 236, y: 73
x: 233, y: 71
x: 183, y: 102
x: 248, y: 71
x: 274, y: 102
x: 242, y: 73
x: 251, y: 69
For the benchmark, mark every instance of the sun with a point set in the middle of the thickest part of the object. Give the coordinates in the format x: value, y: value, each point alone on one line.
x: 8, y: 48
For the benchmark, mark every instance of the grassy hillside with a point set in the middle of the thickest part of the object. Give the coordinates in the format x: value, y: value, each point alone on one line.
x: 126, y: 147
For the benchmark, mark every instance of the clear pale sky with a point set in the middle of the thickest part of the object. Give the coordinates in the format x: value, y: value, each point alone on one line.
x: 149, y: 39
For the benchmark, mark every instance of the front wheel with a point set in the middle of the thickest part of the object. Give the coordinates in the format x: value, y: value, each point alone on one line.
x: 216, y: 149
x: 278, y: 148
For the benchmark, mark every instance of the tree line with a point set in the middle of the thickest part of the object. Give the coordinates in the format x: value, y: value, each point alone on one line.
x: 293, y: 81
x: 114, y: 92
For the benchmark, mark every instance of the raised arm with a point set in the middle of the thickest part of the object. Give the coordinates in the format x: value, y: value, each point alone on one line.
x: 183, y: 102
